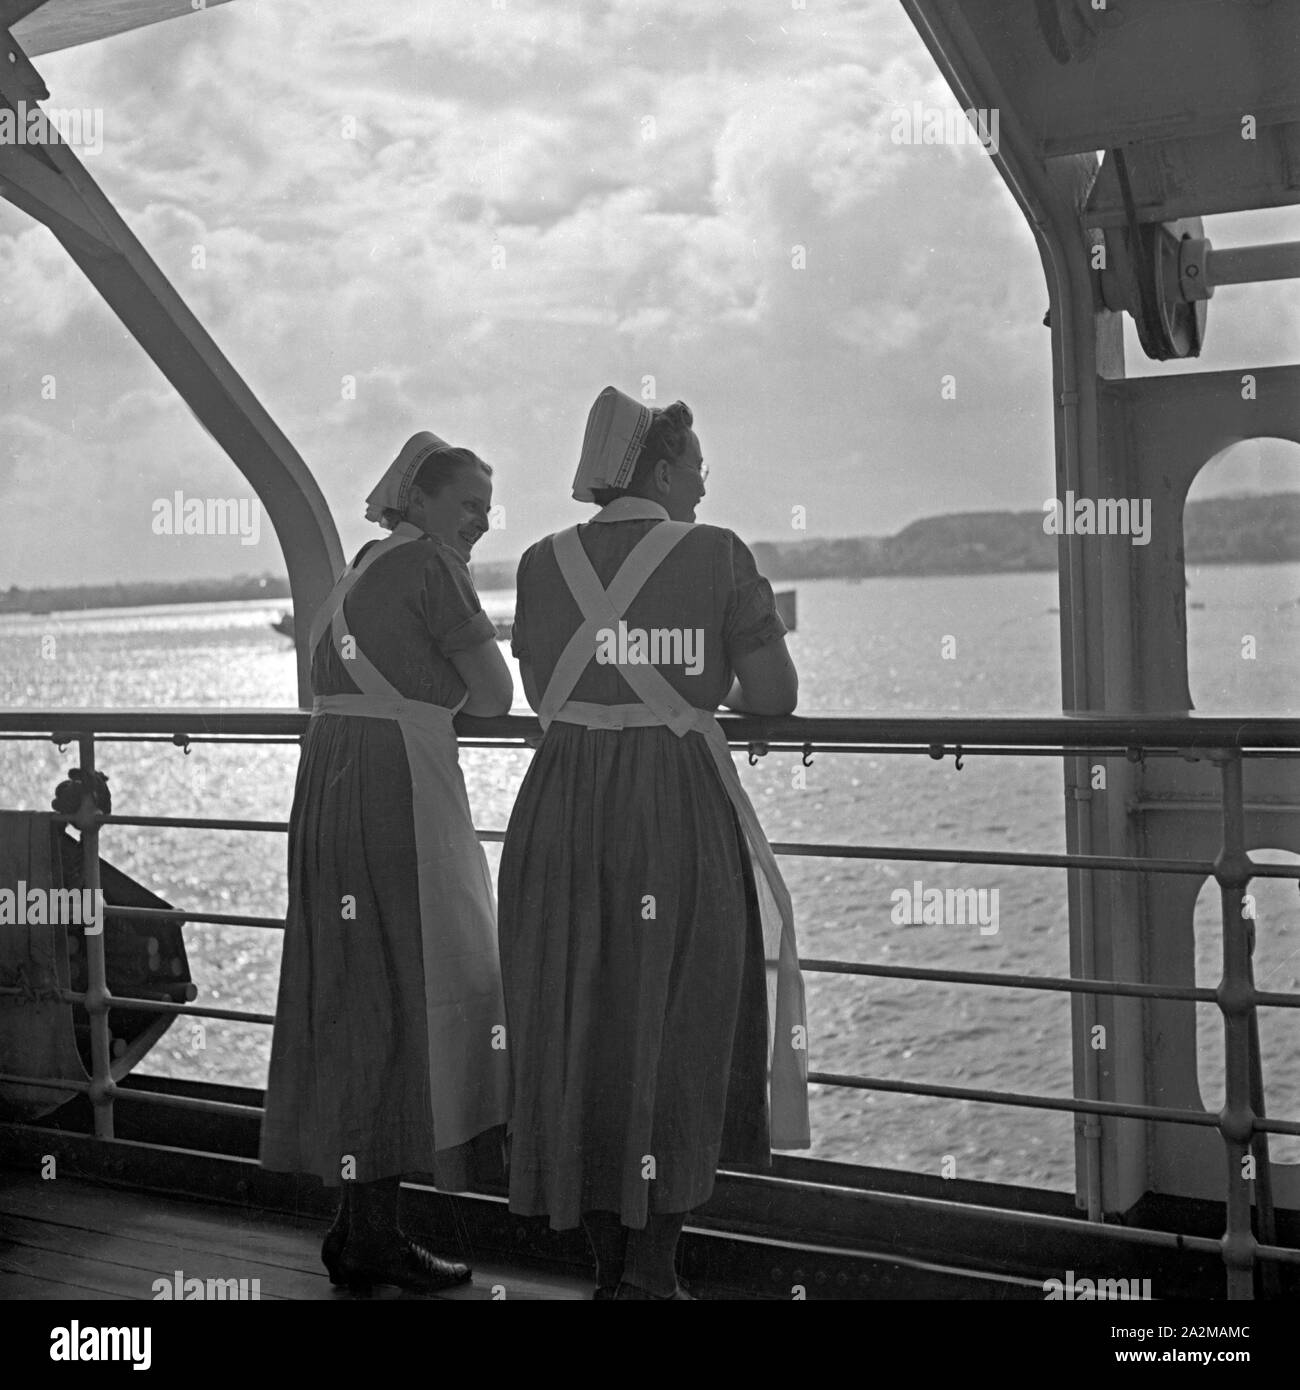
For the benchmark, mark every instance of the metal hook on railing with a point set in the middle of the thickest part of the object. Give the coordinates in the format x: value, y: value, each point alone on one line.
x: 938, y: 752
x: 757, y: 751
x: 182, y: 741
x: 807, y: 755
x: 62, y: 747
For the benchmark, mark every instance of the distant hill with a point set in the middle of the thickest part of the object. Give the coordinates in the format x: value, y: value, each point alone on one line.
x: 142, y: 595
x: 1219, y: 531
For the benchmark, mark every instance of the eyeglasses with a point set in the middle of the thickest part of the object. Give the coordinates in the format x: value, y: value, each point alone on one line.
x: 702, y: 470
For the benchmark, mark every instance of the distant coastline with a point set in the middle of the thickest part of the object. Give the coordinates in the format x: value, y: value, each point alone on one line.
x: 1254, y: 530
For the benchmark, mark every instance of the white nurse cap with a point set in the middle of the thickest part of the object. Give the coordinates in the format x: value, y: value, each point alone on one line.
x: 616, y: 430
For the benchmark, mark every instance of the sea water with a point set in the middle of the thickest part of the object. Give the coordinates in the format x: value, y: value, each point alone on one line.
x: 940, y: 645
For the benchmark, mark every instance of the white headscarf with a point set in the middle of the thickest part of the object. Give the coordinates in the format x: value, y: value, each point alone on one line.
x: 394, y: 490
x: 616, y: 429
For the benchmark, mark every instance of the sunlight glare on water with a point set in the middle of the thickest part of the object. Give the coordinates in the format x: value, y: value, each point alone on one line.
x: 872, y: 648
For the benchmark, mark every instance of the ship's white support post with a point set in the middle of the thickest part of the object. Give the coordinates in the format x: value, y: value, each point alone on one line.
x: 1124, y: 236
x: 49, y: 183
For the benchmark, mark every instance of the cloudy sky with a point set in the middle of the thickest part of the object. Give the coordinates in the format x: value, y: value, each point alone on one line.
x: 484, y: 211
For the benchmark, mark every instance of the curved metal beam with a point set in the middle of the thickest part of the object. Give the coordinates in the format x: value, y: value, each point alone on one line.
x: 51, y: 184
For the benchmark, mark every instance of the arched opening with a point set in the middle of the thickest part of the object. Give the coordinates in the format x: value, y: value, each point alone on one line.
x: 1277, y: 968
x: 1241, y: 532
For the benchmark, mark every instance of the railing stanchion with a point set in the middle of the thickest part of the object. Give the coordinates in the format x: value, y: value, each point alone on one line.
x: 97, y: 996
x: 1236, y: 992
x: 1264, y: 1210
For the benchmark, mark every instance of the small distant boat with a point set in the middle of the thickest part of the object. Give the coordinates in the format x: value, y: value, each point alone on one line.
x: 284, y: 625
x: 787, y: 607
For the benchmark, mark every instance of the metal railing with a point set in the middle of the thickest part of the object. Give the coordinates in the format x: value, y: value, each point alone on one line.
x: 1225, y: 742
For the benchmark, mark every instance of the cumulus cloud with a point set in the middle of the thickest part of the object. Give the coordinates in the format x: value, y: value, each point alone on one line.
x: 470, y: 219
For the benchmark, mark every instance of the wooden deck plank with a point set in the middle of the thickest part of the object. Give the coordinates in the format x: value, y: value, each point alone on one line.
x: 80, y: 1275
x: 150, y: 1261
x: 141, y: 1263
x: 173, y: 1223
x: 34, y: 1288
x: 100, y: 1241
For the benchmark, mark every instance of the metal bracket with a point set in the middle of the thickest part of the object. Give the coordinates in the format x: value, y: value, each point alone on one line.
x: 18, y: 73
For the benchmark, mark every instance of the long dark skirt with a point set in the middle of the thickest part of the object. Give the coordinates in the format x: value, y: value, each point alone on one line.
x: 632, y: 959
x: 348, y: 1095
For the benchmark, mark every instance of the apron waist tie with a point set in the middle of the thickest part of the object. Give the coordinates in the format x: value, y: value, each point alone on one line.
x: 629, y: 717
x: 435, y: 718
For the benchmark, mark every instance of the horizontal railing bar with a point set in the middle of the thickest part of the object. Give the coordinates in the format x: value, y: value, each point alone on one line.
x: 983, y: 750
x: 176, y: 914
x: 1075, y: 730
x: 200, y: 1103
x: 1213, y: 806
x: 130, y: 1004
x: 1108, y: 862
x: 828, y: 967
x: 1277, y: 1252
x: 233, y: 740
x: 159, y: 1006
x: 816, y: 850
x: 1053, y: 983
x: 1061, y: 983
x: 1138, y: 1112
x: 194, y: 823
x: 1271, y: 1000
x: 205, y: 823
x: 860, y: 1083
x: 739, y: 745
x: 977, y: 750
x: 116, y: 1092
x: 1115, y: 1109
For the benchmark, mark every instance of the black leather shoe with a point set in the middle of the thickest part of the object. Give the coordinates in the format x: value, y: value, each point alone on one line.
x: 331, y: 1252
x: 412, y: 1268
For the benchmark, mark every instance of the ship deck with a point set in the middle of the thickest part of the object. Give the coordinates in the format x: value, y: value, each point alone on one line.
x: 73, y: 1239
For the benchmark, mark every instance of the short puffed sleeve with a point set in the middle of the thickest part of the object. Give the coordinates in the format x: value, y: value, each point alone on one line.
x: 750, y: 620
x: 452, y: 612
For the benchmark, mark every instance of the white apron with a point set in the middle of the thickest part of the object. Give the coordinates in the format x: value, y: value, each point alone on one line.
x: 661, y: 704
x: 465, y: 1012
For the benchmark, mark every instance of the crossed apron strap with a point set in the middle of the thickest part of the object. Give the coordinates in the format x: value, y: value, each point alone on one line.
x: 602, y: 608
x: 368, y: 679
x: 787, y: 1019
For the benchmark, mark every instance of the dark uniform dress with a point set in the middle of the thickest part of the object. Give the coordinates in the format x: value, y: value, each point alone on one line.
x: 631, y: 946
x: 350, y: 1064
